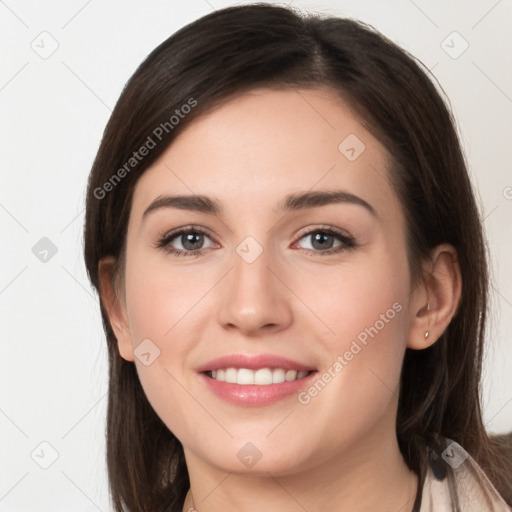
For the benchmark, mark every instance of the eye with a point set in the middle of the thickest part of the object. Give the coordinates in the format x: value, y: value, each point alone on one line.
x: 189, y: 240
x: 327, y: 240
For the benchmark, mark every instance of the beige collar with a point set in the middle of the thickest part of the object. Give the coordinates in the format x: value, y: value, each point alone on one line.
x: 465, y: 485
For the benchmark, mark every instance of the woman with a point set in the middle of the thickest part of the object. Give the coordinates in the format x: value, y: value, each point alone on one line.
x: 250, y: 367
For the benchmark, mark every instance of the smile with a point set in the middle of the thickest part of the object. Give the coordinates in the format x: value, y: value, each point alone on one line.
x: 260, y: 377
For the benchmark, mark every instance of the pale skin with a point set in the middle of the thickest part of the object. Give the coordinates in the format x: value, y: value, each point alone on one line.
x: 339, y: 451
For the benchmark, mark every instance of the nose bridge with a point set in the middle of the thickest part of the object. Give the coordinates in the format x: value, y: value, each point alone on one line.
x: 252, y: 296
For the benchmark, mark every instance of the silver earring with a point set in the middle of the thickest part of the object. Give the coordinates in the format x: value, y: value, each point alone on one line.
x: 428, y: 309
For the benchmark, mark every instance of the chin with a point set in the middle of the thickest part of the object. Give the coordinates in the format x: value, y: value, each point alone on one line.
x: 256, y: 458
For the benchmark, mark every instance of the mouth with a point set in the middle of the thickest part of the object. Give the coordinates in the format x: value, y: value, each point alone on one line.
x: 256, y: 380
x: 258, y: 377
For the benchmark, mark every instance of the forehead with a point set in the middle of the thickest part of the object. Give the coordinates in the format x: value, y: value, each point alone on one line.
x: 264, y: 144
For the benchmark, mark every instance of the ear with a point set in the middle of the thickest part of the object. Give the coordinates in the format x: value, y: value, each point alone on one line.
x: 115, y: 307
x: 441, y: 289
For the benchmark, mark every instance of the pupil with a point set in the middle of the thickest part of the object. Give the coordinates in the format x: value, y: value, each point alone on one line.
x: 189, y: 240
x: 319, y: 237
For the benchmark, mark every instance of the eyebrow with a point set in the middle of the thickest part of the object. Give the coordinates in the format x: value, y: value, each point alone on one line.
x: 292, y: 202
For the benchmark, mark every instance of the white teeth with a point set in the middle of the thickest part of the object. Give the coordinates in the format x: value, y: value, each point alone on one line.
x: 261, y: 377
x: 231, y: 375
x: 290, y: 375
x: 278, y: 376
x: 244, y: 376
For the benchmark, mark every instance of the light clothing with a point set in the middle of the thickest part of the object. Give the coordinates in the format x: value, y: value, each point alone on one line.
x: 464, y: 482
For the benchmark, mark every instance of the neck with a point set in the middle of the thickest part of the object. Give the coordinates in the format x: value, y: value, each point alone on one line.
x: 368, y: 476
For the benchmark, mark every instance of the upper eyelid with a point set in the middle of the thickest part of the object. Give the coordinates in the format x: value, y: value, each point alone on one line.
x: 325, y: 227
x: 186, y: 229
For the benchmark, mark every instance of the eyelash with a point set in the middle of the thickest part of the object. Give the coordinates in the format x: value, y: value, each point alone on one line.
x: 347, y: 240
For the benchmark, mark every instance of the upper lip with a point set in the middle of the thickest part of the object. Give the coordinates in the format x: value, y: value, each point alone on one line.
x: 254, y: 362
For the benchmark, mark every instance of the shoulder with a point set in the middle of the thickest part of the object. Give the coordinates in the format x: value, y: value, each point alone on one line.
x: 464, y: 486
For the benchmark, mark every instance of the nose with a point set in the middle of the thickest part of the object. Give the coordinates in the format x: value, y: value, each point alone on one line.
x: 255, y: 297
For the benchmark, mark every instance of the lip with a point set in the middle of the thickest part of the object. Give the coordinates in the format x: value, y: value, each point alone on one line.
x: 254, y: 363
x: 253, y: 395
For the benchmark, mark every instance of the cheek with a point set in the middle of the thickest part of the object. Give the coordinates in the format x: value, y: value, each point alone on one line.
x: 163, y: 310
x: 366, y: 340
x: 158, y: 300
x: 361, y: 300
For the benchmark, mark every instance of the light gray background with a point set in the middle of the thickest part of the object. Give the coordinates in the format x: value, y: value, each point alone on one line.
x: 53, y: 356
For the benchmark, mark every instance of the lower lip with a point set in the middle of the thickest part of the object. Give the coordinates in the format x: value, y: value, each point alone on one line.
x: 253, y: 395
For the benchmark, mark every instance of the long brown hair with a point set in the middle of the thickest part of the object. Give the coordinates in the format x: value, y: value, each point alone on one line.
x: 233, y: 50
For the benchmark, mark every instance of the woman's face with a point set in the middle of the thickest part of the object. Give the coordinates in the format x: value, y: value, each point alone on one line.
x: 283, y: 268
